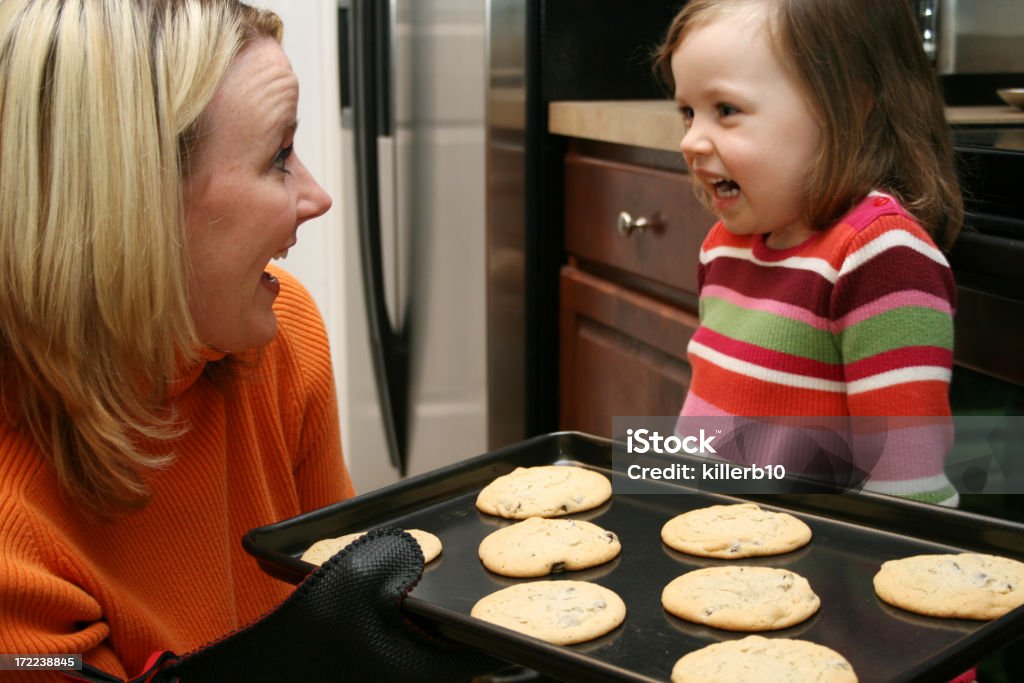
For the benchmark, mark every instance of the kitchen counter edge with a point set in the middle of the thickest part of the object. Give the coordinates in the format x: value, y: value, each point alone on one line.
x: 656, y: 124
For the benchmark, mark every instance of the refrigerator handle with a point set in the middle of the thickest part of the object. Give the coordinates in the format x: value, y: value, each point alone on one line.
x: 344, y: 59
x: 382, y: 31
x: 369, y: 76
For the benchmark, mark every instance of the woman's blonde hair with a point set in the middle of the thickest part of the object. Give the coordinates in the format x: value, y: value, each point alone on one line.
x: 100, y: 104
x: 877, y: 98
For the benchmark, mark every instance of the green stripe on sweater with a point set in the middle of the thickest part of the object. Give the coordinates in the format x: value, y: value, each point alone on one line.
x: 900, y: 327
x: 768, y: 330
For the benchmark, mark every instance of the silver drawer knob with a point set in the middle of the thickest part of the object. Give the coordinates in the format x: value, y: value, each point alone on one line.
x: 627, y: 224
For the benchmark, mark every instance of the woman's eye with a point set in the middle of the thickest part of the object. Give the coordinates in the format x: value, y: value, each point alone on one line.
x: 282, y: 157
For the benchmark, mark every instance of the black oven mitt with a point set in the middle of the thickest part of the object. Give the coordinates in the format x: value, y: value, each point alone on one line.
x: 343, y: 623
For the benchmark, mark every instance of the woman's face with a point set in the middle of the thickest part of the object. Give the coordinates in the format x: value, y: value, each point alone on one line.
x: 245, y: 197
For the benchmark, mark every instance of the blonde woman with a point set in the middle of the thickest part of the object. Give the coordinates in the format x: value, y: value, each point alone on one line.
x: 164, y: 387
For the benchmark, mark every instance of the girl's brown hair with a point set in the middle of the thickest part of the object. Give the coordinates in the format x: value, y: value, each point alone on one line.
x: 876, y: 95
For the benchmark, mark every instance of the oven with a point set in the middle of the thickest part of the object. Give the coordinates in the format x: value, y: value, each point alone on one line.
x: 988, y: 263
x: 973, y: 36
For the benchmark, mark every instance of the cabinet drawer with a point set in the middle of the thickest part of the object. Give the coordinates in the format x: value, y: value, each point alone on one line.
x: 598, y: 190
x: 622, y: 353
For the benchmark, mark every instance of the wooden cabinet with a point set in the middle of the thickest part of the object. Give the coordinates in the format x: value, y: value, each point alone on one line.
x: 628, y: 298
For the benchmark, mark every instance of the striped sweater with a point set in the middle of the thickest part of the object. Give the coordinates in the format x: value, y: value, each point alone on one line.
x: 855, y: 321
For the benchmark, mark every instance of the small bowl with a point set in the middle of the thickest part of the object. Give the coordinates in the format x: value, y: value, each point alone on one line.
x: 1012, y: 96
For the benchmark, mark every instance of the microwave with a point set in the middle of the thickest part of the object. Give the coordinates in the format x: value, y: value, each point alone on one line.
x: 973, y: 36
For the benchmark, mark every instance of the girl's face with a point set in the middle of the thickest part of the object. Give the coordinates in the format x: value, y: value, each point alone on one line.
x: 751, y: 136
x: 245, y: 197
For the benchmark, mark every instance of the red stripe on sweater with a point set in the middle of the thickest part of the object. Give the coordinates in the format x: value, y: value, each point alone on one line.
x: 788, y: 285
x: 924, y: 398
x: 767, y: 358
x: 738, y: 394
x: 896, y: 269
x: 907, y: 356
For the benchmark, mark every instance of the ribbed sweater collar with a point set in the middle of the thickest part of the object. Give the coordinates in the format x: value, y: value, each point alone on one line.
x: 188, y: 373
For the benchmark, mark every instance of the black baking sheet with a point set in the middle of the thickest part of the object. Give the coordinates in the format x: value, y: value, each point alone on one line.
x: 853, y: 535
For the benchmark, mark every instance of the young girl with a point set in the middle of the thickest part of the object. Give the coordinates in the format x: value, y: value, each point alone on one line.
x: 815, y: 131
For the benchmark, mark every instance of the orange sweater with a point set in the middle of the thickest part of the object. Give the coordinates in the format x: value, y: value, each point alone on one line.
x: 174, y: 576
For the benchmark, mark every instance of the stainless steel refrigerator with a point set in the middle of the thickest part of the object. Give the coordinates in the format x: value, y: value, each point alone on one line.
x: 437, y: 269
x: 407, y: 303
x: 413, y: 97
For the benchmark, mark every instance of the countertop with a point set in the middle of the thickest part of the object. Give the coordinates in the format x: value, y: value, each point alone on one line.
x: 656, y: 123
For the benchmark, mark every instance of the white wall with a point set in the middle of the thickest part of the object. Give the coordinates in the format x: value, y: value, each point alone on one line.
x: 441, y: 45
x: 310, y: 41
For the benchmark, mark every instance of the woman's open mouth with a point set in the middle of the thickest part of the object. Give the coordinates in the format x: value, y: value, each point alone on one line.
x: 271, y: 283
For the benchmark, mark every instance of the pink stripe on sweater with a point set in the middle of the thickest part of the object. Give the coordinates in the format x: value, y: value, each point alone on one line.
x: 871, y: 208
x: 890, y: 301
x: 904, y: 449
x: 695, y: 406
x: 913, y: 449
x: 772, y: 306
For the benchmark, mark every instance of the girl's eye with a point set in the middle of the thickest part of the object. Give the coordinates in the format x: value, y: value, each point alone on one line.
x: 282, y: 157
x: 687, y: 114
x: 727, y: 109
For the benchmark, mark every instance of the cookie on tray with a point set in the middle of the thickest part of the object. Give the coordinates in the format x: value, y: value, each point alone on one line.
x: 544, y: 491
x: 559, y: 612
x: 756, y: 659
x: 735, y: 531
x: 956, y: 586
x: 741, y: 598
x: 539, y: 546
x: 326, y: 548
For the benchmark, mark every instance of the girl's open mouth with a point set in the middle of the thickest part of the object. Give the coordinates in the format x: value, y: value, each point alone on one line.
x: 725, y: 189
